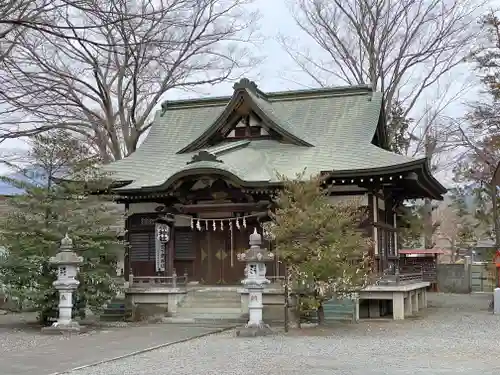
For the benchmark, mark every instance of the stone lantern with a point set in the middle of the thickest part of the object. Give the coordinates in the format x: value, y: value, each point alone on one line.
x: 67, y: 263
x: 255, y: 271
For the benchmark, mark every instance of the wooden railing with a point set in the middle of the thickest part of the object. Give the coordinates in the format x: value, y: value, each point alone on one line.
x: 276, y: 280
x: 397, y: 278
x: 174, y: 281
x: 387, y: 278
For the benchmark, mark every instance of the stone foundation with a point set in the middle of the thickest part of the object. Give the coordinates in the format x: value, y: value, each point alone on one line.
x: 254, y: 330
x: 152, y: 301
x: 72, y: 328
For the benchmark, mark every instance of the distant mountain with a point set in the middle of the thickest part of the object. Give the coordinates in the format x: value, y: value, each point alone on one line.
x: 29, y: 175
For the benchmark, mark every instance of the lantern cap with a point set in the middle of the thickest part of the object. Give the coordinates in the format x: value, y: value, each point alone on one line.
x: 66, y: 256
x: 255, y: 238
x: 255, y: 253
x: 66, y: 243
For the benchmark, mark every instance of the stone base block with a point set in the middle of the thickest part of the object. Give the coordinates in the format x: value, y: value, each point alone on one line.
x: 254, y: 330
x: 496, y: 301
x: 72, y: 328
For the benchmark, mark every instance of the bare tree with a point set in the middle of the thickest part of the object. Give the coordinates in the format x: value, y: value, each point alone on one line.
x: 108, y: 95
x: 399, y: 47
x: 477, y: 132
x: 14, y: 14
x: 456, y: 229
x: 402, y: 48
x: 55, y: 18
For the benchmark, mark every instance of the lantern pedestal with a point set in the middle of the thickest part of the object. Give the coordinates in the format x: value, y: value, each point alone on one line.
x: 65, y: 324
x: 255, y: 326
x: 255, y: 273
x: 67, y: 263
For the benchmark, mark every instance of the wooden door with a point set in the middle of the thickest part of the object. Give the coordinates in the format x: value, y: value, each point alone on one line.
x: 218, y: 257
x: 212, y: 247
x: 218, y: 249
x: 233, y: 269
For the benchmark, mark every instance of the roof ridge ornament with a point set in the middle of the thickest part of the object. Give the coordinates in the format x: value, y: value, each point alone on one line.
x: 204, y: 155
x: 245, y: 83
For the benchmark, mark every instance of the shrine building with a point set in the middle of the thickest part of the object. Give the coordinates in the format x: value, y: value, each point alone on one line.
x: 205, y: 175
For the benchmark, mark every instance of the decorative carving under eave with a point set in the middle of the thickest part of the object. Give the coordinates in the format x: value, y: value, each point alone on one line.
x: 204, y: 156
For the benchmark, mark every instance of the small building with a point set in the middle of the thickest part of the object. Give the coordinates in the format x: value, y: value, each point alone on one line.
x: 210, y: 167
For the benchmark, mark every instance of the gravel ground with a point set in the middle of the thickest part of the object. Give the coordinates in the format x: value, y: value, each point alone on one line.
x: 456, y: 335
x: 25, y: 351
x: 19, y: 332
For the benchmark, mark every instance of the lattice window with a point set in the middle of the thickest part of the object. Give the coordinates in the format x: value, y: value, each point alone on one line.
x: 184, y: 244
x: 142, y: 246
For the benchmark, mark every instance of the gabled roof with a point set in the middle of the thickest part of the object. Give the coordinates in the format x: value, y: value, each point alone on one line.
x: 246, y: 91
x: 322, y: 130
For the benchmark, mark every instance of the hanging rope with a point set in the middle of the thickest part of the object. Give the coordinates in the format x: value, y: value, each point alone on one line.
x: 241, y: 219
x: 238, y: 222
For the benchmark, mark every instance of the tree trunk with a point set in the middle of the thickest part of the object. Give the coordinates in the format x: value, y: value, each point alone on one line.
x: 430, y: 148
x: 496, y: 226
x: 428, y: 227
x: 321, y: 314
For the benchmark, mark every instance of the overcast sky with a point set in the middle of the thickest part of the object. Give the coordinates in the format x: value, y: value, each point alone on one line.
x: 273, y: 74
x: 275, y: 19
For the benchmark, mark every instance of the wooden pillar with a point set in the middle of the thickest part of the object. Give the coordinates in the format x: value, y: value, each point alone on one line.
x: 126, y: 257
x: 372, y: 204
x: 390, y: 219
x: 375, y: 220
x: 396, y: 242
x: 171, y: 251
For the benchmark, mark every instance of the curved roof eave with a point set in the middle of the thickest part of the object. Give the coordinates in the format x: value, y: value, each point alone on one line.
x: 403, y: 167
x: 194, y: 172
x: 428, y: 182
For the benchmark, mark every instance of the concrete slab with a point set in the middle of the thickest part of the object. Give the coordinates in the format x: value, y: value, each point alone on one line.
x: 396, y: 288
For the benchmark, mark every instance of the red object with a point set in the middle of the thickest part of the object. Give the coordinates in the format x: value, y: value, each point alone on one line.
x: 421, y: 251
x: 496, y: 259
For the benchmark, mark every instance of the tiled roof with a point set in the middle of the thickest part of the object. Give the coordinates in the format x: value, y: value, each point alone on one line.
x: 336, y: 127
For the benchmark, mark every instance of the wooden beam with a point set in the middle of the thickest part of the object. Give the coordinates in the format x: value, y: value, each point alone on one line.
x: 230, y: 207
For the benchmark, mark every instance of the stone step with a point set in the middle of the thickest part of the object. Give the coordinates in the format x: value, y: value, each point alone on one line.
x: 220, y: 300
x: 216, y: 289
x: 211, y: 310
x: 207, y: 314
x: 211, y: 305
x: 205, y: 322
x: 115, y: 310
x: 112, y: 317
x: 214, y: 294
x: 211, y: 300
